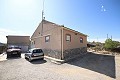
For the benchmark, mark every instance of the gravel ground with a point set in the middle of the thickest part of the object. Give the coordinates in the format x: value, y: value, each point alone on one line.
x: 89, y: 67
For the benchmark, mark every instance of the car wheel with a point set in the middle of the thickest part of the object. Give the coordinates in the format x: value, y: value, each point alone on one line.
x: 42, y: 58
x: 25, y: 58
x: 29, y: 59
x: 19, y: 55
x: 8, y: 56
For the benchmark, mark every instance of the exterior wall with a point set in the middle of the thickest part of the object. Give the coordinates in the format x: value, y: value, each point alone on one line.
x: 18, y: 40
x: 73, y: 53
x: 2, y: 49
x: 75, y: 40
x: 21, y: 41
x: 74, y: 47
x: 53, y: 47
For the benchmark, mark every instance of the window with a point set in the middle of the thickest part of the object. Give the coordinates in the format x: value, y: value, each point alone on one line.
x: 68, y: 37
x: 34, y: 42
x: 47, y: 38
x: 81, y: 40
x: 37, y: 51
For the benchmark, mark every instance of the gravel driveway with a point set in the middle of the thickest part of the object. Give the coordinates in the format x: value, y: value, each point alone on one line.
x: 90, y: 67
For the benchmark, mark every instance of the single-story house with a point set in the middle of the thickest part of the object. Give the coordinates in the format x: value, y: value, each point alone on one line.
x: 58, y: 41
x: 20, y: 41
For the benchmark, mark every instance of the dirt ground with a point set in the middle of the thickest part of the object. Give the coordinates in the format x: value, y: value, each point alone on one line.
x: 93, y: 66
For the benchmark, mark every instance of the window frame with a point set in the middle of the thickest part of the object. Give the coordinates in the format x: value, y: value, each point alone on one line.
x: 37, y: 51
x: 81, y: 40
x: 34, y: 41
x: 69, y: 36
x: 48, y: 39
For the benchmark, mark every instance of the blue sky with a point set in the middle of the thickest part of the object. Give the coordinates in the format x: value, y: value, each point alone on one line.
x: 96, y: 18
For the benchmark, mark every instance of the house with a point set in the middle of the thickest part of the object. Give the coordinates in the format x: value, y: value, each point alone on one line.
x: 2, y: 47
x: 20, y: 41
x: 58, y: 41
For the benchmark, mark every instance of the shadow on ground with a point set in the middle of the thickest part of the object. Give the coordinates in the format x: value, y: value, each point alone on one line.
x: 104, y: 64
x: 13, y: 57
x: 38, y: 61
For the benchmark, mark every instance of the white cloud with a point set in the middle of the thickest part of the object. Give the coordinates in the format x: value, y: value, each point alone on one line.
x: 116, y: 39
x: 102, y: 40
x: 5, y: 32
x: 102, y: 7
x: 97, y: 40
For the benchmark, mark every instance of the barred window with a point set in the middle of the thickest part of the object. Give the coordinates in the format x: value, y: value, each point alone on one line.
x: 68, y: 37
x: 81, y: 40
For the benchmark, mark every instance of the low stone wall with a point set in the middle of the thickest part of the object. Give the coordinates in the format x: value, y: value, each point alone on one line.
x: 67, y: 54
x: 52, y: 53
x: 72, y: 53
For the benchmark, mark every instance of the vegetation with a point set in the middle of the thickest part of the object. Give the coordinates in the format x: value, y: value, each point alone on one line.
x: 110, y: 45
x: 98, y: 46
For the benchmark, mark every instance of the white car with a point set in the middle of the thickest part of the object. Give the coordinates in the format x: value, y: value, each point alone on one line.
x: 13, y: 50
x: 34, y: 53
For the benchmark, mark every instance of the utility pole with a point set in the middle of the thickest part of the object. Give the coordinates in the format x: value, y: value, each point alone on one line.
x: 107, y: 36
x: 42, y: 18
x: 111, y: 37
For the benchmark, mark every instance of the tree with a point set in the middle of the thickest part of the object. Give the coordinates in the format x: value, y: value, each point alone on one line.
x: 109, y: 44
x: 116, y: 44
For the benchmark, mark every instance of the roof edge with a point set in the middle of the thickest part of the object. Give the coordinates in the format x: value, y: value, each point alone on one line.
x: 74, y: 31
x: 67, y: 28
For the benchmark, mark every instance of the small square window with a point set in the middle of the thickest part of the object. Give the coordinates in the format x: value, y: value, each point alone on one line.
x: 47, y: 38
x: 68, y: 37
x: 81, y: 40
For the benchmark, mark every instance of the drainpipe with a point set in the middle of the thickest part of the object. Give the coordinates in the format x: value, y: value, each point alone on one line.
x: 62, y: 43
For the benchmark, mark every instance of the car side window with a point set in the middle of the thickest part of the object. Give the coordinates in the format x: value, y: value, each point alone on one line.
x: 40, y: 51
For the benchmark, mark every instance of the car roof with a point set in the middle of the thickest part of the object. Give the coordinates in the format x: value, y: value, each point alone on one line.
x: 34, y: 49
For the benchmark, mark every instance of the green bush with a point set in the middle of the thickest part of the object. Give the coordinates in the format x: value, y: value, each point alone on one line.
x: 109, y: 44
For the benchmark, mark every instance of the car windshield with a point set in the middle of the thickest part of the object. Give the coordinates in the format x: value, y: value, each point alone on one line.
x: 13, y: 48
x: 30, y: 51
x: 37, y: 51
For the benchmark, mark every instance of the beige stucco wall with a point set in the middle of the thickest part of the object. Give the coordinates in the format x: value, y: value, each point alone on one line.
x: 23, y: 40
x: 55, y: 32
x: 58, y: 47
x: 75, y: 40
x: 48, y: 29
